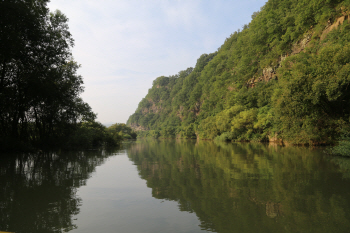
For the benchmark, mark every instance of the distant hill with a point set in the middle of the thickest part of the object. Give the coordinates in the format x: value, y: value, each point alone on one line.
x: 284, y: 76
x: 108, y: 124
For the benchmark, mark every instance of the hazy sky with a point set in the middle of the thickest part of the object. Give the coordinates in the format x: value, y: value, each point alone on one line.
x: 123, y: 45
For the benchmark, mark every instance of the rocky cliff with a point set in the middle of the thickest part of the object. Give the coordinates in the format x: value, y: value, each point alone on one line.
x: 283, y: 77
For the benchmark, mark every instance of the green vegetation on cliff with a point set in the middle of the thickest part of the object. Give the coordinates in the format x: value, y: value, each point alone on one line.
x: 283, y: 76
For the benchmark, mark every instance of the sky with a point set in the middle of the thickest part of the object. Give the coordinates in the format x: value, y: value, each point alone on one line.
x: 123, y: 45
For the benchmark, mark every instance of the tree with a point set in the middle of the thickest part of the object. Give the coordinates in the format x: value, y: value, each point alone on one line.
x: 124, y: 131
x: 39, y: 84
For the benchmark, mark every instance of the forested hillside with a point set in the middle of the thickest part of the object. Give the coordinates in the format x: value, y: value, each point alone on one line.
x: 284, y: 76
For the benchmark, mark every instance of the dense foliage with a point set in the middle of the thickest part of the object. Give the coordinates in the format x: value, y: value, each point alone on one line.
x: 284, y: 76
x: 39, y: 84
x: 122, y: 131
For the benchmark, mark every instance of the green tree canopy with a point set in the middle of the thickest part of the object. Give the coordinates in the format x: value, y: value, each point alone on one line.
x: 39, y: 84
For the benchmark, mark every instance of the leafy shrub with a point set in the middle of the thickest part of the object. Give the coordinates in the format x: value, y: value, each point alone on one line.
x: 342, y: 149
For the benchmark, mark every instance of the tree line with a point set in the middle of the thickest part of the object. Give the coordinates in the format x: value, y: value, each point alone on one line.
x: 40, y: 103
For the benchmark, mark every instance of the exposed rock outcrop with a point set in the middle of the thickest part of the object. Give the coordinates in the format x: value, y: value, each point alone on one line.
x: 302, y: 44
x: 270, y: 73
x: 137, y: 127
x: 152, y: 109
x: 335, y: 25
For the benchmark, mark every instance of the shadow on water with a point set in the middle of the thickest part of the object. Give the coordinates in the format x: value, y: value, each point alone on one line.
x: 38, y: 191
x: 249, y: 187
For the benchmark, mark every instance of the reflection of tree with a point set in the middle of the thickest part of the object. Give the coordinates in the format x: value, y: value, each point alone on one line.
x: 38, y: 191
x: 247, y: 187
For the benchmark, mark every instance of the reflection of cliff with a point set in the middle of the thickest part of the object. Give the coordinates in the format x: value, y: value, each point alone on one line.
x: 273, y: 209
x: 38, y: 191
x: 247, y: 187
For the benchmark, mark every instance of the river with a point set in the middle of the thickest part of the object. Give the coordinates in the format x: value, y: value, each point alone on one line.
x: 176, y: 186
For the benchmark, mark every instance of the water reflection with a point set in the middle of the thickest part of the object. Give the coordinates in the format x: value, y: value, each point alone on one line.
x: 249, y: 187
x: 38, y: 191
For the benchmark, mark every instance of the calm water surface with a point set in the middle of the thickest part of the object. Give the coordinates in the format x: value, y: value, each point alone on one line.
x: 176, y: 186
